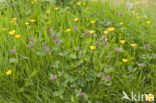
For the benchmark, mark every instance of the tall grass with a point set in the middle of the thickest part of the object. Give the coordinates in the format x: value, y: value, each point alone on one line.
x: 81, y: 62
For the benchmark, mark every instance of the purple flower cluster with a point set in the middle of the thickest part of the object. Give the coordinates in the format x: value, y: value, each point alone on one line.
x: 13, y: 51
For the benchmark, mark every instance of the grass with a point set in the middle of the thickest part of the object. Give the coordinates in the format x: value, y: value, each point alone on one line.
x: 88, y: 67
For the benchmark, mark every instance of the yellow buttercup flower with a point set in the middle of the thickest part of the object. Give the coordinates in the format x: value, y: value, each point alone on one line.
x: 3, y: 29
x: 143, y: 1
x: 138, y: 17
x: 91, y: 31
x: 137, y: 3
x: 68, y: 30
x: 26, y: 23
x: 94, y: 0
x: 14, y: 19
x: 9, y: 72
x: 124, y: 60
x: 12, y: 32
x: 11, y: 21
x: 92, y: 22
x: 148, y: 22
x: 92, y: 47
x: 133, y: 45
x: 56, y: 9
x: 111, y: 28
x: 105, y: 32
x: 32, y: 20
x: 84, y: 3
x: 149, y: 97
x: 146, y: 6
x: 78, y: 3
x: 32, y: 2
x: 121, y: 23
x: 122, y: 41
x: 17, y: 36
x: 48, y: 11
x: 76, y: 19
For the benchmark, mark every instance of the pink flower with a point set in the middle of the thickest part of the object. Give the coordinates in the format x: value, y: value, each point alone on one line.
x: 56, y: 41
x: 13, y: 51
x: 146, y: 46
x: 50, y: 30
x: 82, y: 94
x: 103, y: 43
x: 110, y: 55
x: 79, y: 48
x: 86, y: 33
x: 97, y: 42
x: 75, y: 28
x: 101, y: 74
x: 108, y: 24
x: 32, y: 39
x: 53, y: 36
x: 108, y: 77
x: 53, y: 78
x: 82, y: 54
x: 44, y: 44
x: 47, y: 50
x: 104, y: 38
x: 142, y: 65
x: 117, y: 50
x: 31, y: 46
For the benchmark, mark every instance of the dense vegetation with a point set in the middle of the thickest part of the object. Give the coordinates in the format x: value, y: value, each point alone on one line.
x: 76, y: 52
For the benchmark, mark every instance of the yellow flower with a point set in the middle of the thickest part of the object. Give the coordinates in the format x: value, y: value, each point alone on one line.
x: 11, y: 21
x: 105, y: 32
x: 32, y: 2
x: 94, y: 0
x: 146, y: 6
x: 124, y: 60
x: 122, y: 41
x: 9, y: 72
x: 92, y: 22
x: 138, y: 17
x: 133, y: 11
x: 143, y: 1
x: 121, y: 23
x: 133, y: 45
x: 92, y: 47
x: 56, y: 9
x: 76, y: 19
x: 48, y: 11
x: 137, y: 3
x: 148, y: 22
x: 84, y: 3
x: 149, y: 97
x: 14, y: 19
x: 26, y: 23
x: 111, y: 28
x: 91, y: 31
x: 3, y: 29
x: 17, y: 36
x: 32, y: 20
x: 78, y: 3
x: 68, y: 30
x: 35, y: 0
x: 12, y: 32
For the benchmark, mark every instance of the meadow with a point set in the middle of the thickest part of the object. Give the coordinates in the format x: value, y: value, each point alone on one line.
x: 78, y: 51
